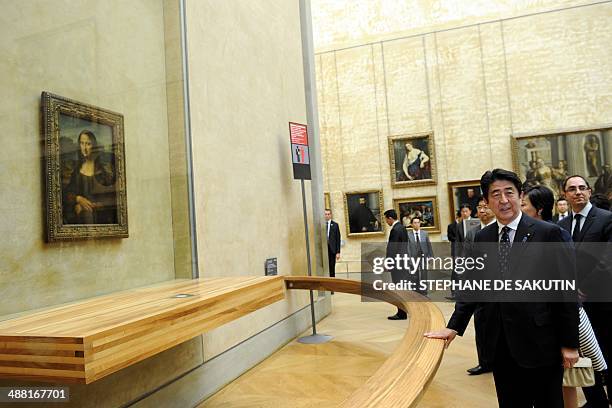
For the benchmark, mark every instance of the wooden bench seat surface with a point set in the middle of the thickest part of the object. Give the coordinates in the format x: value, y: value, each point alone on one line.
x: 87, y: 317
x: 86, y: 340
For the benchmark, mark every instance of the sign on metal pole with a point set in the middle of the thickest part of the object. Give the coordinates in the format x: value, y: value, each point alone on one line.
x: 300, y: 156
x: 300, y: 152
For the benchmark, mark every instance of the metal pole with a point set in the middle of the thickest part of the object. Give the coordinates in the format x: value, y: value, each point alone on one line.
x: 312, y: 313
x: 314, y: 338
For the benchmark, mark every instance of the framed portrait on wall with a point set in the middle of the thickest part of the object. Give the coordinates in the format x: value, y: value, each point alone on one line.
x: 84, y: 165
x: 326, y: 201
x: 547, y: 159
x: 426, y: 208
x: 363, y: 212
x: 412, y: 160
x: 463, y: 192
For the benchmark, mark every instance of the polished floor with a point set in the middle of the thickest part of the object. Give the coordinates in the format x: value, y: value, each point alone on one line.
x: 300, y: 375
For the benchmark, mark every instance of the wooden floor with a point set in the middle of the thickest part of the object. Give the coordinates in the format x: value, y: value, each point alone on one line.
x: 300, y: 375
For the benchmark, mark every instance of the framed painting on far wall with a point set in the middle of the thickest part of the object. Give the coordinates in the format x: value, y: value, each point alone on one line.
x: 425, y: 208
x: 363, y: 212
x: 464, y: 192
x: 326, y: 201
x: 412, y: 160
x: 84, y: 165
x: 547, y: 159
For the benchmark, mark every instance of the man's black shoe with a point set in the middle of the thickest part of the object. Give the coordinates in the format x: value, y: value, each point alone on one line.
x: 478, y: 370
x: 396, y: 317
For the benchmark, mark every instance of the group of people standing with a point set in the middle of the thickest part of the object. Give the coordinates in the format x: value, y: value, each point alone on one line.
x: 413, y: 243
x: 528, y: 344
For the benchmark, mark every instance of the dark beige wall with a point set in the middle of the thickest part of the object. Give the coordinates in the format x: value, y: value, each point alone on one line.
x: 246, y: 84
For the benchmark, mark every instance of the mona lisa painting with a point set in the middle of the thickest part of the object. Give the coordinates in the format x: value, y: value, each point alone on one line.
x: 84, y: 166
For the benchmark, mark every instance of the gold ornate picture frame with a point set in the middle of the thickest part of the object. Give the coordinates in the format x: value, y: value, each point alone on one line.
x: 84, y: 165
x: 412, y: 160
x: 327, y: 201
x: 459, y: 193
x: 363, y: 213
x: 424, y: 207
x: 548, y: 158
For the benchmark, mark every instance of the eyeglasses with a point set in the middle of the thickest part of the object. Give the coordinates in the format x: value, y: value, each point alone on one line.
x: 574, y: 189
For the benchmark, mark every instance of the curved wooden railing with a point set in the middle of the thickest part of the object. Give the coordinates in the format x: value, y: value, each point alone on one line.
x: 402, y: 380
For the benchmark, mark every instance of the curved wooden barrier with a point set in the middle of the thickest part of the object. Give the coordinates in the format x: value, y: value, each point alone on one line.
x: 403, y: 378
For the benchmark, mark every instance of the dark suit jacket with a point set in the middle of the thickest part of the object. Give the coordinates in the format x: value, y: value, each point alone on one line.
x: 460, y: 234
x: 593, y: 261
x: 397, y: 245
x: 535, y: 331
x: 333, y: 242
x: 451, y: 231
x: 556, y: 217
x: 451, y: 234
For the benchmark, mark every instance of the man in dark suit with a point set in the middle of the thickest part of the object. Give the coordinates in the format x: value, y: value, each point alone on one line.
x: 397, y: 245
x: 466, y: 223
x: 451, y: 231
x: 525, y: 343
x: 486, y: 217
x: 333, y: 242
x: 590, y: 224
x: 562, y: 210
x: 419, y: 245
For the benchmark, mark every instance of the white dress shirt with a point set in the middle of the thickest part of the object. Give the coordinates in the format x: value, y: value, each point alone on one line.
x: 465, y: 226
x: 513, y: 225
x: 584, y: 212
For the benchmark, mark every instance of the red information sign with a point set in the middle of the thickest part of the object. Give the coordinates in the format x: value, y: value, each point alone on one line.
x: 300, y: 152
x: 299, y: 134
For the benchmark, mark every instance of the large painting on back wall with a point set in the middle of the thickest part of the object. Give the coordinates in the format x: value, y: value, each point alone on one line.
x: 84, y: 170
x: 426, y: 208
x: 548, y: 159
x: 412, y: 160
x: 363, y: 212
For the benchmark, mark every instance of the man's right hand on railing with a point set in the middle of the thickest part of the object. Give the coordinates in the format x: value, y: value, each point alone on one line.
x: 448, y: 335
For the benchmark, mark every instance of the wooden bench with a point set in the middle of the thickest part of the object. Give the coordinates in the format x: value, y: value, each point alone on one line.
x: 87, y: 340
x: 402, y: 380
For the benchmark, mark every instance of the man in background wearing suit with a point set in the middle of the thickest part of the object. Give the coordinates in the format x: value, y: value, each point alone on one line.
x: 486, y: 217
x: 333, y: 242
x: 451, y: 231
x: 419, y: 245
x: 525, y: 342
x: 451, y: 234
x: 562, y: 210
x: 466, y: 223
x: 594, y: 263
x: 397, y: 245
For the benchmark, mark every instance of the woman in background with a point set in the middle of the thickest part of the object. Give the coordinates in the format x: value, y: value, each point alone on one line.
x: 416, y: 164
x: 90, y: 195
